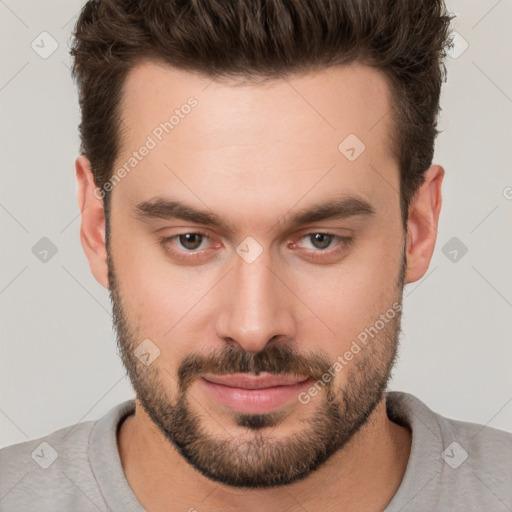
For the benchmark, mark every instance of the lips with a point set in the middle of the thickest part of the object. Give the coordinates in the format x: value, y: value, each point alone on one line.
x: 254, y: 394
x: 245, y: 381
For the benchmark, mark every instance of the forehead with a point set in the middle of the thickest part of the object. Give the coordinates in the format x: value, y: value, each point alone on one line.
x: 320, y: 131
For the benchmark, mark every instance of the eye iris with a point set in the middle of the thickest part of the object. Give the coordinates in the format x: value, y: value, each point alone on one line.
x: 190, y: 240
x: 323, y: 239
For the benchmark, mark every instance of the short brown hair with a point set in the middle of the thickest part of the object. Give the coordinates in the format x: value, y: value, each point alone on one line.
x: 254, y: 39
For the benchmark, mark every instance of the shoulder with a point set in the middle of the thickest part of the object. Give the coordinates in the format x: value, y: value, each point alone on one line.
x: 56, y: 472
x: 488, y: 446
x: 44, y: 451
x: 478, y: 460
x: 37, y: 471
x: 453, y: 464
x: 484, y: 444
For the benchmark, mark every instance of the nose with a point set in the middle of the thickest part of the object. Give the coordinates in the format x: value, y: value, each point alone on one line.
x: 256, y: 305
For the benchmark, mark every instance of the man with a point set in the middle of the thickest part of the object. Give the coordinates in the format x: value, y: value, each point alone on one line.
x: 256, y: 187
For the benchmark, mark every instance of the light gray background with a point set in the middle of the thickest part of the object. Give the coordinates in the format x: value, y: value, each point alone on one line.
x: 58, y: 356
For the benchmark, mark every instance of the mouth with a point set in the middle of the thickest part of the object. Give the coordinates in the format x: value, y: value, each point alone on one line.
x: 254, y: 394
x: 254, y: 381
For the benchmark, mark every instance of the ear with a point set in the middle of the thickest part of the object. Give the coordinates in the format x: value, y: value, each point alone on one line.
x: 422, y: 224
x: 92, y: 230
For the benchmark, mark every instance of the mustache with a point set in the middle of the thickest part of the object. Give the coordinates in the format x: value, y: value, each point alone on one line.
x: 275, y: 359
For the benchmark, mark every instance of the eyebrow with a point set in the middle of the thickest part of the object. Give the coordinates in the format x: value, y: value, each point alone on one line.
x: 337, y: 208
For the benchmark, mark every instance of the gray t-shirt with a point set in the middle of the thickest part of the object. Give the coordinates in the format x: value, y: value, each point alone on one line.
x: 453, y: 466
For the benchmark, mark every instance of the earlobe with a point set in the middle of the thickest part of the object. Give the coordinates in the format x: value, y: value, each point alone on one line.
x: 422, y: 224
x: 92, y: 229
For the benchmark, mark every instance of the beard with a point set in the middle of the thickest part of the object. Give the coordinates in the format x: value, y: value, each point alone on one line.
x: 257, y: 459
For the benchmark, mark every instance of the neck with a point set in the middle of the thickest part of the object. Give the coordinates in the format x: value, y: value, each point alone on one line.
x: 363, y: 475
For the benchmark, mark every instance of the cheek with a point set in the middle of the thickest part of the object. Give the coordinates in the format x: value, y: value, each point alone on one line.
x: 350, y: 297
x: 160, y: 303
x: 171, y: 305
x: 155, y: 294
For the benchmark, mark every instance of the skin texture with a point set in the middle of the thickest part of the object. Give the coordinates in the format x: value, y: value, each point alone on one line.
x: 254, y: 154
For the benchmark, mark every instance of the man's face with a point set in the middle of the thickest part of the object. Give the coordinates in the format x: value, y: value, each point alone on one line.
x: 315, y: 302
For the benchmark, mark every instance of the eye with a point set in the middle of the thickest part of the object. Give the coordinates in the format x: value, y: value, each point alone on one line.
x: 188, y: 246
x: 322, y: 246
